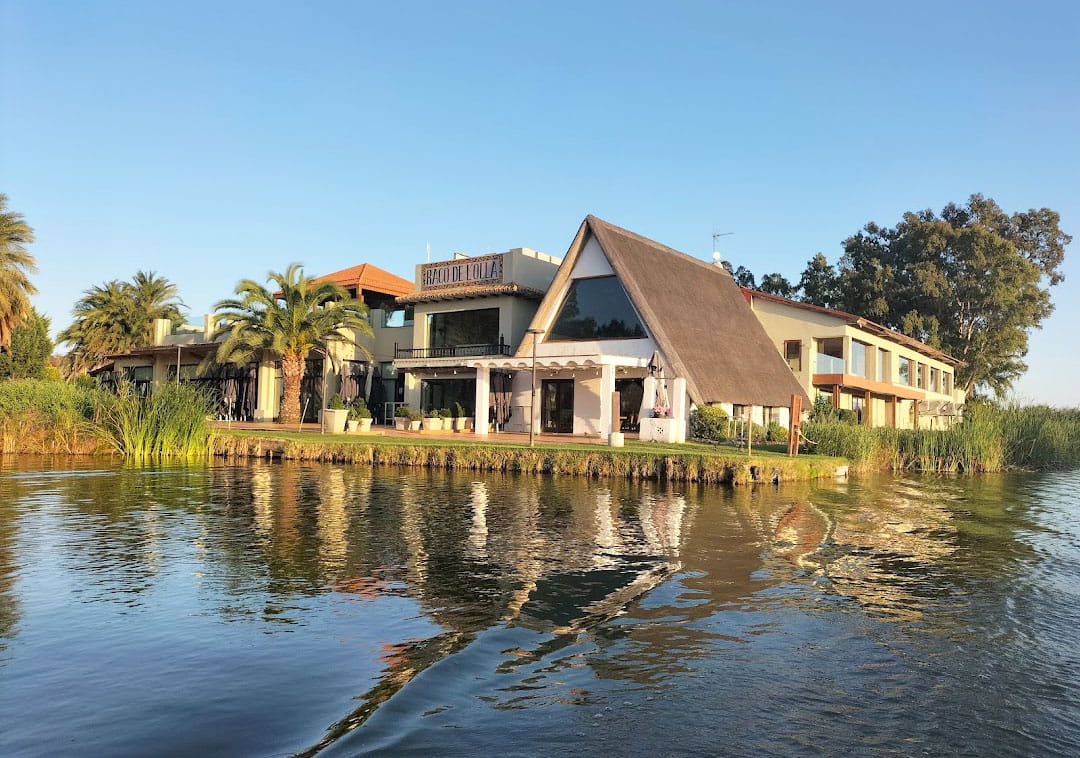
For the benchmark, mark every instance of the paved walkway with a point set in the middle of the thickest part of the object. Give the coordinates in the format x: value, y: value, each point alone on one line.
x: 389, y: 431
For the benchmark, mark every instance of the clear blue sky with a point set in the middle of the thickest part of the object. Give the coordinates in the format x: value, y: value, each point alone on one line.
x: 214, y: 141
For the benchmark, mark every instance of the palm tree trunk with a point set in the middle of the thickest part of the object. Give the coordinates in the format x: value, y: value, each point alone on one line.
x: 292, y: 371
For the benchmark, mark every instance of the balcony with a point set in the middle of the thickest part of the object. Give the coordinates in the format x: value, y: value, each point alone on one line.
x: 829, y: 364
x: 453, y: 351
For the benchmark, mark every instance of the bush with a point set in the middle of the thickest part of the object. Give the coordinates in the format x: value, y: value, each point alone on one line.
x: 336, y: 403
x: 403, y: 411
x: 709, y: 422
x: 774, y: 432
x: 415, y: 415
x: 444, y: 413
x: 822, y: 411
x: 359, y: 410
x: 847, y: 416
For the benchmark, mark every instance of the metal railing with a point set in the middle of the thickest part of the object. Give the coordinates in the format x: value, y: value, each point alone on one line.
x: 453, y: 351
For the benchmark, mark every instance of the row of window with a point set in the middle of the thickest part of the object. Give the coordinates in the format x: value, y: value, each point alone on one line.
x: 830, y: 360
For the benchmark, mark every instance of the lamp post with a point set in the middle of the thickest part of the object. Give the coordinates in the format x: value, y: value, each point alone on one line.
x: 532, y: 403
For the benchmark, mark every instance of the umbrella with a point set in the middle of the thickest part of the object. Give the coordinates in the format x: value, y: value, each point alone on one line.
x: 367, y: 384
x: 376, y: 398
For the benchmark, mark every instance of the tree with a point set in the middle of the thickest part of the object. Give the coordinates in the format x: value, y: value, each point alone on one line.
x: 743, y: 276
x: 819, y: 283
x: 117, y: 316
x: 26, y: 356
x: 16, y: 265
x: 776, y: 284
x: 303, y: 317
x: 972, y: 282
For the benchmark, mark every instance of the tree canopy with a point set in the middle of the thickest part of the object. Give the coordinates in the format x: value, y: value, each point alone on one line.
x: 972, y: 281
x: 16, y: 266
x: 117, y: 316
x: 26, y: 356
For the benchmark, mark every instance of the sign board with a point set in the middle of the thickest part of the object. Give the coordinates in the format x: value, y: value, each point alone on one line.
x: 467, y: 272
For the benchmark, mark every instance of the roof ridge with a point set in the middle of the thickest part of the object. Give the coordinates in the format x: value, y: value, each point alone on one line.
x: 658, y: 245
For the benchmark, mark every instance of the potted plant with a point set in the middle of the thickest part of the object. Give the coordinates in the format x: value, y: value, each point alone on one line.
x: 459, y: 418
x: 401, y: 417
x: 661, y: 411
x: 359, y: 417
x: 432, y: 420
x: 414, y: 420
x: 335, y: 414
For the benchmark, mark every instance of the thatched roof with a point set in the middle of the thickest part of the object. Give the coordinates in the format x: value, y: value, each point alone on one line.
x: 695, y: 313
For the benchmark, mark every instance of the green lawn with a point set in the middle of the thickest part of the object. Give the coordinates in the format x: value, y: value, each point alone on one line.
x: 776, y: 450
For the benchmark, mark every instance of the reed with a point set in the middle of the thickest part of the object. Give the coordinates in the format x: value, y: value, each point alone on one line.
x: 171, y: 421
x: 45, y: 416
x: 990, y: 438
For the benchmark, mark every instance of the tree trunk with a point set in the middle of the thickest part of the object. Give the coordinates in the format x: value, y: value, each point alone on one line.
x: 292, y: 372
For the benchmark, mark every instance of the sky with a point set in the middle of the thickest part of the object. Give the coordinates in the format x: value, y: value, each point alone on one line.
x: 211, y: 142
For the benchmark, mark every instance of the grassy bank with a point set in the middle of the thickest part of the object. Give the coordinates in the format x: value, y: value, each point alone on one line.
x: 43, y: 416
x: 688, y: 463
x: 988, y: 439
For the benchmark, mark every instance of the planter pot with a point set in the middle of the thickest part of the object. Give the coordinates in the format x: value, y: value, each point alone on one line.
x: 334, y: 421
x: 363, y: 425
x: 414, y: 426
x: 616, y: 439
x: 401, y: 424
x: 459, y: 424
x: 350, y: 426
x: 433, y: 424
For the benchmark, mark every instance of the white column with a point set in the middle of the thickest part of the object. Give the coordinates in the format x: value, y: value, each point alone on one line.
x: 680, y: 407
x: 648, y: 397
x: 267, y: 380
x: 483, y: 388
x: 607, y: 389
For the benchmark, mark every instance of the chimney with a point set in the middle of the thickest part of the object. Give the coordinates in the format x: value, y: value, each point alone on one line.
x: 161, y: 329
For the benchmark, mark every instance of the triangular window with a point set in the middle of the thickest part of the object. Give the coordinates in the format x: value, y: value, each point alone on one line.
x: 596, y: 309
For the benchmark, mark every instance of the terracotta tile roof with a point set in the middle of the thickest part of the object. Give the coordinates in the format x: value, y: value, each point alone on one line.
x: 369, y: 277
x: 862, y: 323
x: 697, y: 316
x: 460, y: 293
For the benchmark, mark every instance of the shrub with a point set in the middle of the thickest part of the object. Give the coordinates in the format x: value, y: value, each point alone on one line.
x: 774, y: 432
x: 415, y: 415
x: 336, y: 403
x: 847, y: 416
x: 444, y: 413
x: 459, y: 411
x: 403, y: 411
x: 822, y: 410
x: 359, y: 410
x: 709, y: 422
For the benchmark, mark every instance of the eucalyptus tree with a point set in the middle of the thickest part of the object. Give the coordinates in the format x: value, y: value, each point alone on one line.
x: 116, y: 316
x: 297, y: 317
x: 16, y: 266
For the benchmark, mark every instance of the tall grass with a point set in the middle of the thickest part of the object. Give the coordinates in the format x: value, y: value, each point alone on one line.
x: 172, y: 420
x: 989, y: 438
x: 46, y: 416
x: 43, y: 416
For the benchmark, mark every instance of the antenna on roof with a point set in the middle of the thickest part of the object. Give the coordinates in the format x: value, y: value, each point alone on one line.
x: 717, y: 258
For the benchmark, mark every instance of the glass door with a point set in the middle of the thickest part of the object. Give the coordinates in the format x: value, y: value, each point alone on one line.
x: 557, y: 406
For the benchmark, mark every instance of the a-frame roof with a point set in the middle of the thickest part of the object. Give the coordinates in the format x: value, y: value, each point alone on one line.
x: 369, y: 277
x: 696, y: 314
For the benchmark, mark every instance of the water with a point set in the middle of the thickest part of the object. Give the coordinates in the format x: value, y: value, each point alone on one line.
x: 278, y: 609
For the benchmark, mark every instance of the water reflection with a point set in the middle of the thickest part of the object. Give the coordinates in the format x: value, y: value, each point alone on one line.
x: 505, y: 594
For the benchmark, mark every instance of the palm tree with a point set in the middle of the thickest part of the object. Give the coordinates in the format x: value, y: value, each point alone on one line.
x: 16, y: 265
x: 302, y: 317
x: 117, y: 316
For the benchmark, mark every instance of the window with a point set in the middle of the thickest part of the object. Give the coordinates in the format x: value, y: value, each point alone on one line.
x: 922, y: 376
x: 858, y: 404
x: 883, y: 366
x: 935, y: 380
x: 830, y: 356
x: 946, y: 382
x: 905, y: 371
x: 188, y: 372
x: 479, y: 327
x: 793, y: 354
x: 858, y: 358
x: 397, y: 316
x: 596, y: 309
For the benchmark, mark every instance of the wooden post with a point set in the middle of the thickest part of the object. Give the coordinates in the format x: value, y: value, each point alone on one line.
x: 794, y: 422
x: 749, y: 429
x: 836, y: 396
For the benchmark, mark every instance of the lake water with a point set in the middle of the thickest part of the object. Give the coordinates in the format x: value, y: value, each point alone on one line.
x: 280, y: 609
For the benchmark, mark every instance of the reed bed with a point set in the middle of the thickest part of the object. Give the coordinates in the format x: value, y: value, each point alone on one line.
x: 989, y: 438
x: 171, y: 421
x: 586, y: 460
x: 40, y: 416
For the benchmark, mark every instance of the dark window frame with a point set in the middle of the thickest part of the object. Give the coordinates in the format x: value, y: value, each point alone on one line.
x: 558, y: 313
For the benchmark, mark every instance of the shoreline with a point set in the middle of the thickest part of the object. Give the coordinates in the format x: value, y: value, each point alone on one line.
x: 590, y: 460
